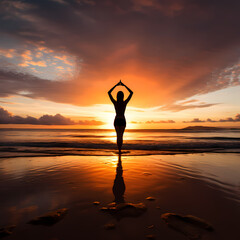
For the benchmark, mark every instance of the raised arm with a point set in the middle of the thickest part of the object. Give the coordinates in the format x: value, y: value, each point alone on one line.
x: 110, y: 93
x: 130, y: 93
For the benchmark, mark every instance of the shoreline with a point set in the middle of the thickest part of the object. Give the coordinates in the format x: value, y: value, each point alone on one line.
x: 100, y: 152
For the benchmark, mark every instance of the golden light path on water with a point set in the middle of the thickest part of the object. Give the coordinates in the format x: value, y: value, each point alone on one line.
x: 111, y: 136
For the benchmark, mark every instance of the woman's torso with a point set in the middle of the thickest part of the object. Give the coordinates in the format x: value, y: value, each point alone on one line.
x: 120, y: 108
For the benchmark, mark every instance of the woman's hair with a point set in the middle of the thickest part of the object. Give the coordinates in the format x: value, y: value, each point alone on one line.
x: 120, y: 96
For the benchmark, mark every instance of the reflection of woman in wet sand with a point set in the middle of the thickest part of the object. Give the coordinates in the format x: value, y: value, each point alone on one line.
x: 120, y: 106
x: 119, y: 185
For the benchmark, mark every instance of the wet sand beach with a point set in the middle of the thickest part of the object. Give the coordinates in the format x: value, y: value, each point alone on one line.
x: 204, y: 185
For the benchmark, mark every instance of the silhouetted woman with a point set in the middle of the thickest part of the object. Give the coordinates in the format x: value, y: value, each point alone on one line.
x: 120, y: 107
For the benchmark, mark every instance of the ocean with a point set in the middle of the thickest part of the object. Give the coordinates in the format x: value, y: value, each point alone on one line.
x: 55, y: 142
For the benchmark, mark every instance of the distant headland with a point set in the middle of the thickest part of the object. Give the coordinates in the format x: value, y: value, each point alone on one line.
x: 205, y: 128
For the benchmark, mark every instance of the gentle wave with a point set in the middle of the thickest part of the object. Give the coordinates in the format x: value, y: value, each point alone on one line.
x: 91, y: 148
x: 21, y: 142
x: 134, y: 145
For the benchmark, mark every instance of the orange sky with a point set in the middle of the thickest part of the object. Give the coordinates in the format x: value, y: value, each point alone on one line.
x: 180, y: 59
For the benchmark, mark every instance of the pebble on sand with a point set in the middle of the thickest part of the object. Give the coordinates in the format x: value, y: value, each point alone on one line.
x: 96, y: 203
x: 125, y: 209
x: 109, y: 226
x: 150, y: 226
x: 50, y: 218
x: 104, y: 209
x: 150, y: 198
x: 150, y: 236
x: 6, y: 231
x: 191, y: 226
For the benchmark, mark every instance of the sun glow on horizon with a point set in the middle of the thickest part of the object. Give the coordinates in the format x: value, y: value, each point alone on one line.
x: 193, y: 111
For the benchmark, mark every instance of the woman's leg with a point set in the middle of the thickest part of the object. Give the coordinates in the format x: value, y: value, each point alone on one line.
x: 119, y: 131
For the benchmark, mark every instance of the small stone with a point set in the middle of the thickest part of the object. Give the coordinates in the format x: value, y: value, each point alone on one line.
x: 150, y: 236
x: 191, y: 226
x: 121, y: 210
x: 109, y: 226
x: 50, y: 218
x: 150, y: 198
x: 96, y: 203
x: 6, y: 231
x: 150, y: 226
x: 104, y: 209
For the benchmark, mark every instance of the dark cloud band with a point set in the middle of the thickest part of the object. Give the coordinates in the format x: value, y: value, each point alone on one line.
x: 229, y: 119
x: 58, y: 119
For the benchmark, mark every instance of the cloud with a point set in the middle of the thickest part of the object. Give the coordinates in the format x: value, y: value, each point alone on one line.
x: 17, y: 83
x: 34, y: 63
x: 153, y: 122
x: 60, y: 1
x: 168, y: 8
x: 57, y: 119
x: 14, y: 83
x: 90, y: 122
x: 59, y: 67
x: 168, y: 50
x: 236, y: 119
x: 26, y: 55
x: 8, y: 53
x: 161, y: 121
x: 8, y: 118
x: 185, y: 106
x: 229, y: 119
x: 64, y: 59
x: 7, y: 102
x: 190, y: 101
x: 136, y: 122
x: 195, y: 120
